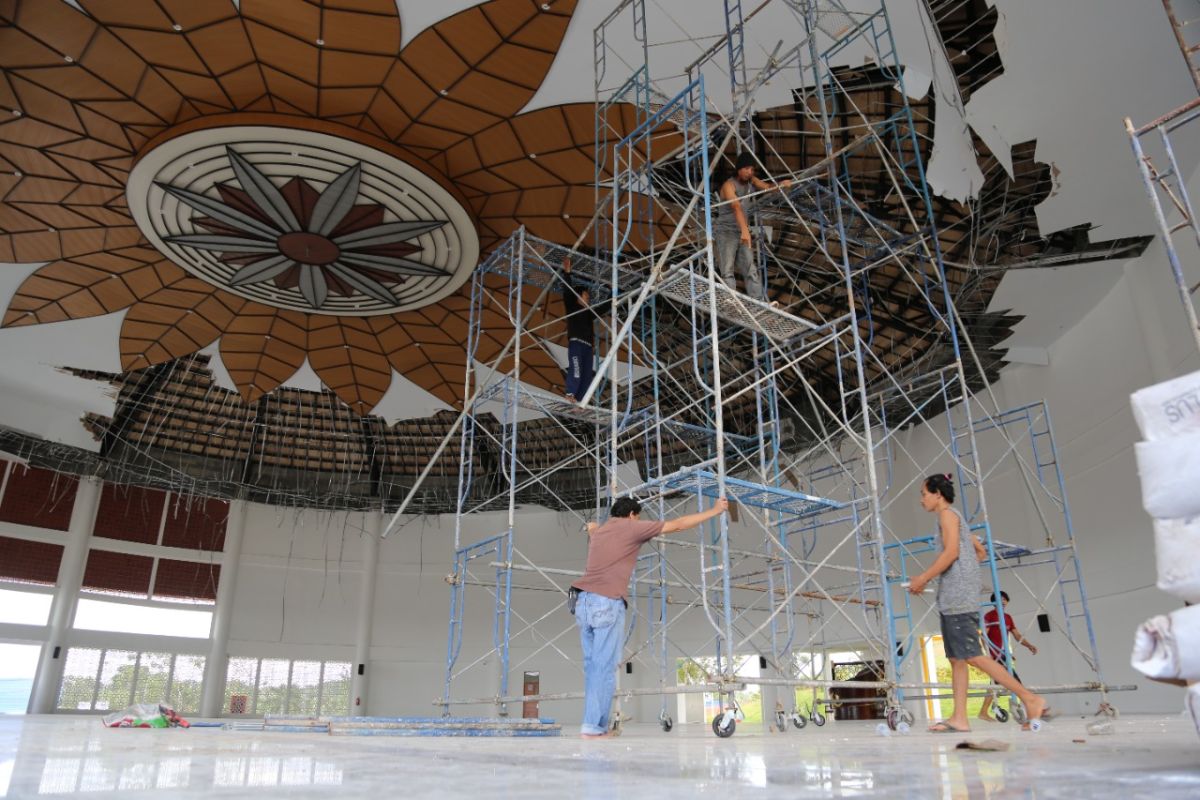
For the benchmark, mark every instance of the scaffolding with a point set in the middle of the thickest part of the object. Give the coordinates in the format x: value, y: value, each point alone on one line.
x: 1166, y: 186
x: 792, y: 411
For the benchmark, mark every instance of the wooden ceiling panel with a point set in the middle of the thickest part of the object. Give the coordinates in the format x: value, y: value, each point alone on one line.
x: 80, y: 241
x: 175, y: 321
x: 22, y: 50
x: 519, y: 65
x: 297, y: 94
x: 298, y: 18
x: 498, y: 144
x: 55, y: 216
x: 285, y: 53
x: 353, y: 69
x: 39, y: 103
x: 449, y: 51
x: 129, y: 13
x: 349, y: 102
x: 387, y: 115
x: 58, y: 25
x: 32, y: 133
x: 354, y: 31
x: 224, y: 47
x: 80, y: 290
x: 407, y: 90
x: 38, y: 190
x: 434, y: 61
x: 103, y: 129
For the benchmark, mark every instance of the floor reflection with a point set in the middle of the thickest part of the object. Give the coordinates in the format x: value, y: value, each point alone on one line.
x: 63, y: 755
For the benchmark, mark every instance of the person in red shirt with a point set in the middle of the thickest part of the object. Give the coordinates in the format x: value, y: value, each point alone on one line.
x: 600, y: 605
x: 995, y: 645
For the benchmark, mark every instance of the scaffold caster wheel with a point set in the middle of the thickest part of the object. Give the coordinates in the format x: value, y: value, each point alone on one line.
x: 893, y: 717
x: 1018, y: 712
x: 666, y: 723
x: 781, y: 721
x: 907, y: 717
x: 724, y: 725
x: 1001, y: 714
x: 818, y: 718
x: 799, y: 721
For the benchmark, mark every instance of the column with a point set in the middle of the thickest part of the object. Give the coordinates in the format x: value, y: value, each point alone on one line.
x: 44, y: 697
x: 360, y: 680
x: 216, y: 664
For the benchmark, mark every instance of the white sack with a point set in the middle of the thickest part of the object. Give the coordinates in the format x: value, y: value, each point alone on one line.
x: 1193, y: 705
x: 1167, y: 409
x: 1177, y: 551
x: 1170, y: 473
x: 1169, y: 646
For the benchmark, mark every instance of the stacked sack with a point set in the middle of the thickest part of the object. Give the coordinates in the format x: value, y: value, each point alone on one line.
x: 1168, y: 647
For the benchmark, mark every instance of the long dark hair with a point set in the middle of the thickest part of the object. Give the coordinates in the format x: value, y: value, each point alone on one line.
x: 941, y: 484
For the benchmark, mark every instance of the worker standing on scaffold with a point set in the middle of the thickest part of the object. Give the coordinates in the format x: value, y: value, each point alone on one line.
x: 581, y: 333
x: 732, y: 228
x: 598, y: 599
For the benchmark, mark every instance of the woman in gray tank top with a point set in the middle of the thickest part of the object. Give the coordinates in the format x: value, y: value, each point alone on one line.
x: 958, y: 602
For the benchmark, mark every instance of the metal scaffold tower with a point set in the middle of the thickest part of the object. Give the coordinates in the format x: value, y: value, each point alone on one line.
x: 790, y: 409
x: 1166, y: 183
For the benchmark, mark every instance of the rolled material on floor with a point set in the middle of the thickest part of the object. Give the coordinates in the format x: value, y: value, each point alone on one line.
x: 1193, y: 704
x: 1168, y: 409
x: 1169, y: 646
x: 1170, y: 474
x: 1177, y: 552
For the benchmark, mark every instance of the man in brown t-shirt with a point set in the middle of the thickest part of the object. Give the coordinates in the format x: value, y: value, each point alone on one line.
x: 600, y: 608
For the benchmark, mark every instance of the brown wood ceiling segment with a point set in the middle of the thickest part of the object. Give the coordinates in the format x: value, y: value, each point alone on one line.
x: 175, y: 321
x: 262, y: 347
x: 475, y: 68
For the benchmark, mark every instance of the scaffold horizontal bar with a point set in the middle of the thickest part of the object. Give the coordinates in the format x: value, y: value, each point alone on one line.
x: 756, y: 495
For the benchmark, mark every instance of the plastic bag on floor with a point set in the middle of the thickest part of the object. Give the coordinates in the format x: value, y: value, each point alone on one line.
x: 1170, y: 473
x: 1177, y: 552
x: 145, y: 715
x: 1167, y: 409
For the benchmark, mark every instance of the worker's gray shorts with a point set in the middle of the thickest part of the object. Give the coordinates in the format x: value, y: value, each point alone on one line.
x: 960, y: 635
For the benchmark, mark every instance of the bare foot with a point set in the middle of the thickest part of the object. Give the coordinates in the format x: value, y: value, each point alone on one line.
x: 985, y: 717
x: 595, y: 735
x: 1034, y: 709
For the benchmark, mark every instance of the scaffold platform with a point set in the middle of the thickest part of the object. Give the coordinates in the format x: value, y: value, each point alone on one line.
x: 685, y: 286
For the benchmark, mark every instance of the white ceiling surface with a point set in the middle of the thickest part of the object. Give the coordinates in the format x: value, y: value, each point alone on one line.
x: 1073, y: 69
x: 36, y: 397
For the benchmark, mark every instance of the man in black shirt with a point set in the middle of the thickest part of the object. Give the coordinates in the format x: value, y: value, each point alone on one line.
x: 581, y: 319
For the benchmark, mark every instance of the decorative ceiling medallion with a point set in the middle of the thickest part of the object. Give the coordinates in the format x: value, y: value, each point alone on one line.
x: 303, y: 220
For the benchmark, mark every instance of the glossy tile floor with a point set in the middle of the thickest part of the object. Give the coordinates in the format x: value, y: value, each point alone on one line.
x: 1148, y: 757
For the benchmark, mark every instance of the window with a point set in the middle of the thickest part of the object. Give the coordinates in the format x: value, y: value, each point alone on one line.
x: 24, y: 608
x: 279, y: 686
x: 104, y: 615
x: 18, y: 663
x: 109, y: 680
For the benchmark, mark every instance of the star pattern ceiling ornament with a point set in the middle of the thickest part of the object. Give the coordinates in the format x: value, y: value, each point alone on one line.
x: 297, y: 236
x: 91, y: 96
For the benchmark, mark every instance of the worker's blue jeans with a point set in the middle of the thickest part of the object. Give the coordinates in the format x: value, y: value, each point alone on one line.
x: 601, y: 622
